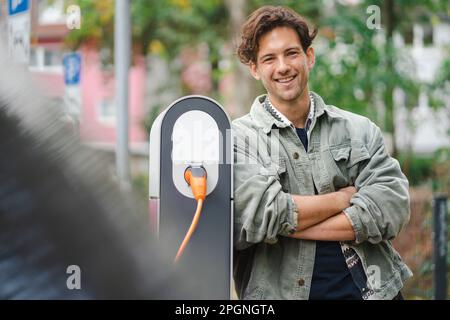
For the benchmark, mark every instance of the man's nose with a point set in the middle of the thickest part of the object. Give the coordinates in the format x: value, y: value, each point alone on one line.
x: 282, y: 66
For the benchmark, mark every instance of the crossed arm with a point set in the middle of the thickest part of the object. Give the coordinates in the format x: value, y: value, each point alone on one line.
x: 378, y: 211
x: 320, y: 217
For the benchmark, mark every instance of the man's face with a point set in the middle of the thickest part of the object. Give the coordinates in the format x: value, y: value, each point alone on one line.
x: 282, y: 65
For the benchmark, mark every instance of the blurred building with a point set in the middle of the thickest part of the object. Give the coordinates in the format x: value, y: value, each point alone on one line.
x: 424, y: 130
x: 96, y: 116
x: 48, y: 30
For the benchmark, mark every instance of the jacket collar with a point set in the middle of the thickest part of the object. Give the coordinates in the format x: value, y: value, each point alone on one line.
x: 281, y: 117
x: 267, y: 121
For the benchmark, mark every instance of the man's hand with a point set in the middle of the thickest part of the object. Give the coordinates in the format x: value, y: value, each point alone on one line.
x: 317, y: 208
x: 344, y: 195
x: 335, y: 228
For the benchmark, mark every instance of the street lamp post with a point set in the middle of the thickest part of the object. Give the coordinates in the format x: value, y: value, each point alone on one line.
x: 122, y: 46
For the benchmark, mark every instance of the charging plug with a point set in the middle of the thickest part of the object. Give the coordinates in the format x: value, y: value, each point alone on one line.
x: 195, y: 177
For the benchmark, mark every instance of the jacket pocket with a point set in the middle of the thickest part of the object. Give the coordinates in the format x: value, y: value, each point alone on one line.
x: 343, y: 161
x: 349, y: 155
x: 358, y: 153
x: 340, y: 153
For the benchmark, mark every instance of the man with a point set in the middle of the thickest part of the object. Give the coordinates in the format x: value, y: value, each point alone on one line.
x: 292, y: 241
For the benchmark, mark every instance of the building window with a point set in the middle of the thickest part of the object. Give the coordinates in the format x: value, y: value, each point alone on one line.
x: 46, y: 59
x: 51, y: 12
x: 52, y: 58
x: 33, y: 57
x: 107, y: 111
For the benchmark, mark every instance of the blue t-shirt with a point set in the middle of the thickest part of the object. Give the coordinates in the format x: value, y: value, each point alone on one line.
x: 331, y: 276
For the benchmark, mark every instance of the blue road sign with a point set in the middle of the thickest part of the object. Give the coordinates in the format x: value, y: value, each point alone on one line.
x: 72, y: 66
x: 17, y: 6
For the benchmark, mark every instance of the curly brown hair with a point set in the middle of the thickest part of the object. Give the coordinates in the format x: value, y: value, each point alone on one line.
x: 264, y: 20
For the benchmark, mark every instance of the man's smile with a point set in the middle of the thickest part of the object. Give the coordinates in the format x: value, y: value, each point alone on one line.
x: 286, y: 80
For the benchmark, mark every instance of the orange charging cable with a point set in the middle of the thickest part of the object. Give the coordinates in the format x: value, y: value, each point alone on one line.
x: 196, y: 179
x: 190, y: 231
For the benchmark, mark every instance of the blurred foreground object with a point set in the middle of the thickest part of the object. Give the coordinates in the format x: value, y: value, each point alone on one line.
x: 59, y: 207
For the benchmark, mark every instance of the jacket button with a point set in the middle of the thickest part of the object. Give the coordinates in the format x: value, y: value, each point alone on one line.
x: 301, y: 282
x: 296, y: 155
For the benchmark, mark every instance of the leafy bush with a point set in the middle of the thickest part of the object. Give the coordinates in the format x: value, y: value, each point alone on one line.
x: 417, y: 168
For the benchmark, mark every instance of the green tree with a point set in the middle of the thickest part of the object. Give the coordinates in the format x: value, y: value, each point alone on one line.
x: 357, y: 68
x: 163, y: 26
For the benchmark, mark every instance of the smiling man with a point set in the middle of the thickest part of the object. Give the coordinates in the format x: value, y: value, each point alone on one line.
x: 293, y: 238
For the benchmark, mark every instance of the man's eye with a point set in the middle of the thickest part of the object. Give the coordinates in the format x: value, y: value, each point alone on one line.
x: 293, y: 53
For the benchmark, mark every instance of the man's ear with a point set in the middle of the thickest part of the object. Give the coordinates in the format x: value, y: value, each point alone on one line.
x: 254, y: 70
x: 310, y: 58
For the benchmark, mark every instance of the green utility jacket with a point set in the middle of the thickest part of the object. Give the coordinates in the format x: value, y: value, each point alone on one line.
x: 271, y: 164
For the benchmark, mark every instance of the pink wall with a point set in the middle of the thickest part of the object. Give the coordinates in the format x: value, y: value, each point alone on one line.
x: 97, y: 85
x: 51, y: 84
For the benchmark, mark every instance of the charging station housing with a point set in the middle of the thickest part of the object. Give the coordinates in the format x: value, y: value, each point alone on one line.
x: 194, y: 130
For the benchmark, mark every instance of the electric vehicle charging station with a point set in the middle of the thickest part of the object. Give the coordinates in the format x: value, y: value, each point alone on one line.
x: 192, y: 134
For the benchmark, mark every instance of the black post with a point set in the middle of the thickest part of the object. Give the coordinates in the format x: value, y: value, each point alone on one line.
x: 440, y: 211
